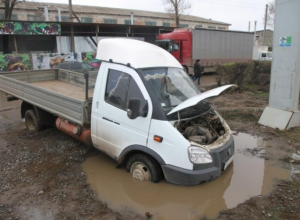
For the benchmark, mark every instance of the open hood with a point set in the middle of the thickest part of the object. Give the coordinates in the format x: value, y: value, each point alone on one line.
x: 198, y: 98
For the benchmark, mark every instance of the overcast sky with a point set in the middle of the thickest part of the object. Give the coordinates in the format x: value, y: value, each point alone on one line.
x: 238, y: 13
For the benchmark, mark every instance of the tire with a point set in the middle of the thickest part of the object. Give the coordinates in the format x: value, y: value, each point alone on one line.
x: 144, y: 168
x: 31, y: 121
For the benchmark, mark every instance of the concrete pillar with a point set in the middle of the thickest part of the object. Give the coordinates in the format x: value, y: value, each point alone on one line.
x: 283, y: 112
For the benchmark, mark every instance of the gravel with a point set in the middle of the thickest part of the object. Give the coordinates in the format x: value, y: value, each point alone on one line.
x: 42, y: 176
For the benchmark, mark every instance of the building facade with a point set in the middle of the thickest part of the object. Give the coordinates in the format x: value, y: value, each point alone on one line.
x: 266, y: 40
x: 38, y: 11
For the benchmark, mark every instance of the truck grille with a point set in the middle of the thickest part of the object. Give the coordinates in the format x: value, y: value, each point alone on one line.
x: 226, y: 154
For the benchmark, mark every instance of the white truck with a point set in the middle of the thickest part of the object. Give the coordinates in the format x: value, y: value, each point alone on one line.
x: 141, y: 109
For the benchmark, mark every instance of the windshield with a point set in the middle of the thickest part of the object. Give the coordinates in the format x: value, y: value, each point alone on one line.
x: 171, y: 86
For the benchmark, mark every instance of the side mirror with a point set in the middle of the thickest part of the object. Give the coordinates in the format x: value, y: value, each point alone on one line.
x: 133, y: 110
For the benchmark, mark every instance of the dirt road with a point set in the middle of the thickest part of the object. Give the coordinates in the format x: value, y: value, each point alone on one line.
x: 47, y: 175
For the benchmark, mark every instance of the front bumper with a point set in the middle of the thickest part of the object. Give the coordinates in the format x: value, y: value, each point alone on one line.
x: 201, y: 172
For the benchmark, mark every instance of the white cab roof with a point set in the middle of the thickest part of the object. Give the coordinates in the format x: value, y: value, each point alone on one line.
x: 137, y: 53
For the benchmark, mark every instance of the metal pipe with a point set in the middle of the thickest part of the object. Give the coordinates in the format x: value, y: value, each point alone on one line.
x: 59, y: 14
x: 46, y: 13
x: 86, y: 76
x: 97, y: 31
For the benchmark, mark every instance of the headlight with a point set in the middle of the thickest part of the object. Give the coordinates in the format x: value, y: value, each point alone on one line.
x: 199, y: 155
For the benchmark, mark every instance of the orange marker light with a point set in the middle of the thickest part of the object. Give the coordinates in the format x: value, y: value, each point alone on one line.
x: 157, y: 138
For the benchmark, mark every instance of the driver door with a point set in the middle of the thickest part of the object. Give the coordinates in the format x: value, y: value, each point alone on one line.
x: 115, y: 131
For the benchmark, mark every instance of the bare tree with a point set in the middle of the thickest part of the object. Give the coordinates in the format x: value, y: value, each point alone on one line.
x: 9, y: 6
x: 8, y: 9
x: 176, y: 8
x: 271, y: 14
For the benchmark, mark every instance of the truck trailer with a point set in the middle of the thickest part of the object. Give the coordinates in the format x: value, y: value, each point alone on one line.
x: 212, y: 47
x: 141, y: 109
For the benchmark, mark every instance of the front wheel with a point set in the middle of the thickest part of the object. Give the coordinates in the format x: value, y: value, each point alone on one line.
x: 144, y: 168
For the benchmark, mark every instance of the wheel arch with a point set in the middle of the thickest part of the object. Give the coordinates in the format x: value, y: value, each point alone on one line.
x: 43, y: 116
x: 24, y: 107
x: 134, y: 149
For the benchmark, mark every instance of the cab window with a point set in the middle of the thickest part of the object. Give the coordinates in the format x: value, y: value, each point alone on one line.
x: 121, y: 87
x: 175, y: 47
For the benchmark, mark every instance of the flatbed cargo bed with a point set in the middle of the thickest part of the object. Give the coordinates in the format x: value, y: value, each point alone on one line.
x: 60, y: 92
x: 64, y: 88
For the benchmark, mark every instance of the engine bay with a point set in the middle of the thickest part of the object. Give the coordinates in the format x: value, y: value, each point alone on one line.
x: 203, y: 129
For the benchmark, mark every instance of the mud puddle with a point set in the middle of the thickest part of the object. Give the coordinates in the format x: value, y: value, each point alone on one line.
x: 249, y: 175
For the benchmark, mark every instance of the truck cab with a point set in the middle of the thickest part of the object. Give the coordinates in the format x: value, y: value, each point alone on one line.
x: 179, y: 44
x: 148, y: 115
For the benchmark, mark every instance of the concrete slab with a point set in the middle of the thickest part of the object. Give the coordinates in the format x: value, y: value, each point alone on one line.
x: 280, y: 119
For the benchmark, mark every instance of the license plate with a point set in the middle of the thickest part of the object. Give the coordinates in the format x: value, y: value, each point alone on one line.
x: 228, y: 162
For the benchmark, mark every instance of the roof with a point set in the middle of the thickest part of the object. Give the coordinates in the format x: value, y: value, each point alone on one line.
x: 137, y: 54
x: 266, y: 30
x: 108, y: 11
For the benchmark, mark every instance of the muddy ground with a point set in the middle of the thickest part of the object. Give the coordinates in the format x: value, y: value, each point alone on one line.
x: 41, y: 174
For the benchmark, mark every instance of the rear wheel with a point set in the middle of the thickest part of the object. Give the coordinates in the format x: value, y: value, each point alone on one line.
x: 31, y: 121
x: 144, y: 168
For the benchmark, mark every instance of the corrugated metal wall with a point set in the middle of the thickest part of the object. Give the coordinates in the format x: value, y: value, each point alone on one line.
x: 214, y: 44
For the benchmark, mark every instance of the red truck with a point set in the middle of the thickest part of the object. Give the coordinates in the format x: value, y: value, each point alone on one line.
x: 212, y: 47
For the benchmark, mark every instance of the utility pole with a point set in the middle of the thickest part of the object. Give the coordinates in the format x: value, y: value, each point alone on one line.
x: 255, y: 30
x: 266, y: 15
x: 72, y: 28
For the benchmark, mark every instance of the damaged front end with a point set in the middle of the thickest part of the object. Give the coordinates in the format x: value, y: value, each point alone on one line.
x: 199, y: 122
x: 209, y: 135
x: 202, y: 126
x: 210, y: 146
